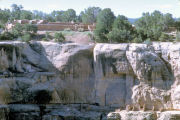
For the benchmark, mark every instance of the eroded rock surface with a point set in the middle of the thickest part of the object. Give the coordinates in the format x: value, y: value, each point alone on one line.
x: 125, y: 76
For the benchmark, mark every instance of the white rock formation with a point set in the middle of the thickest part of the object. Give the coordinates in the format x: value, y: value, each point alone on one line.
x: 107, y: 74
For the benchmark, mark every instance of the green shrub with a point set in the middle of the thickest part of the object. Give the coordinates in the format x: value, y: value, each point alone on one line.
x: 2, y: 26
x: 59, y: 37
x: 119, y: 36
x: 47, y: 37
x: 80, y: 29
x: 30, y: 28
x: 6, y: 36
x: 44, y: 39
x: 137, y: 40
x: 178, y: 37
x: 153, y: 24
x: 165, y: 37
x: 148, y: 42
x: 67, y: 29
x: 104, y: 24
x: 26, y: 37
x: 100, y: 36
x: 91, y: 36
x: 17, y: 30
x: 20, y: 30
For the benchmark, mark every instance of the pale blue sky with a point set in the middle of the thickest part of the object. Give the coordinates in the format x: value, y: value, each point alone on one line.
x: 129, y: 8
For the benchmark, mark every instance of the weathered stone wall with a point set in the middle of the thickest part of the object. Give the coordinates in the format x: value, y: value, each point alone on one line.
x: 44, y: 25
x: 60, y: 27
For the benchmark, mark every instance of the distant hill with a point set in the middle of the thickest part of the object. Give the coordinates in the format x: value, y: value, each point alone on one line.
x: 132, y: 20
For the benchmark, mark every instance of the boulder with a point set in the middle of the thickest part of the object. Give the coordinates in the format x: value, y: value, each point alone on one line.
x: 132, y: 115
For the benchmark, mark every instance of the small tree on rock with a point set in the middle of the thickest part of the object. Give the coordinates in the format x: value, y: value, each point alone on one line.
x: 104, y: 24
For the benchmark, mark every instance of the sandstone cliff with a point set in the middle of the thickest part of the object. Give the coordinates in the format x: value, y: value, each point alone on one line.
x: 137, y: 76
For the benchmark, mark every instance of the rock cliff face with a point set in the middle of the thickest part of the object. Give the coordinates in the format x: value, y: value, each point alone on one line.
x: 34, y: 77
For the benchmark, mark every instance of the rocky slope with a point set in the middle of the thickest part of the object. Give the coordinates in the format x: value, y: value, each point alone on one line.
x: 45, y: 80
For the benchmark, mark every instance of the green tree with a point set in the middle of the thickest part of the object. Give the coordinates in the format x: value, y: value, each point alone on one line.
x: 69, y: 15
x: 26, y: 37
x: 177, y: 25
x: 138, y: 39
x: 4, y: 15
x: 30, y: 28
x: 152, y: 25
x: 17, y: 30
x: 168, y: 21
x: 104, y: 24
x: 57, y: 15
x: 49, y: 18
x: 16, y: 11
x: 26, y: 15
x: 2, y: 26
x: 122, y: 30
x: 165, y: 37
x: 89, y: 16
x: 59, y: 37
x: 20, y: 30
x: 178, y: 37
x: 38, y: 14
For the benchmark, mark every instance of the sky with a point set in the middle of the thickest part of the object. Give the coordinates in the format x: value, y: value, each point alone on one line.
x: 129, y: 8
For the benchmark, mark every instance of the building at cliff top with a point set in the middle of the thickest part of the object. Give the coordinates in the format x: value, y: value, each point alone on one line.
x: 44, y: 25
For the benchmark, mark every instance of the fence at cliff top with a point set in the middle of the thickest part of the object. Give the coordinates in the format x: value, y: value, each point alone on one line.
x: 44, y: 25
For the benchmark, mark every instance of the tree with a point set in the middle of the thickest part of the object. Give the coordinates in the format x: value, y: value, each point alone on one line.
x: 16, y: 11
x: 165, y: 37
x: 105, y: 20
x: 19, y: 30
x: 49, y: 18
x: 26, y: 15
x: 121, y: 22
x: 79, y: 17
x: 59, y: 37
x: 26, y: 37
x: 89, y: 16
x: 69, y: 15
x: 177, y: 25
x: 5, y: 15
x: 178, y: 36
x: 30, y: 28
x: 122, y: 30
x: 152, y: 25
x: 57, y: 15
x: 167, y: 21
x: 1, y: 27
x: 38, y: 14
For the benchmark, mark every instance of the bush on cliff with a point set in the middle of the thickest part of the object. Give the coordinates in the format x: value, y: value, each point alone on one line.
x: 137, y: 39
x: 47, y: 37
x: 59, y: 37
x: 25, y: 32
x: 26, y: 37
x: 119, y: 36
x: 6, y: 36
